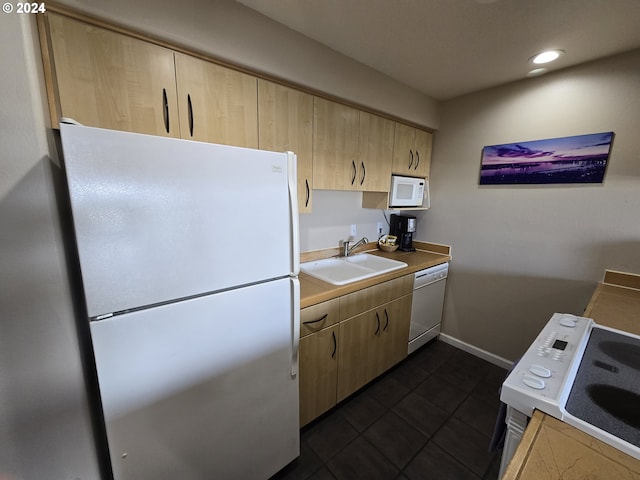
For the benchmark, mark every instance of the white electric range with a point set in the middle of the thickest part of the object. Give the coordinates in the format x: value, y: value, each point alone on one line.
x: 584, y: 374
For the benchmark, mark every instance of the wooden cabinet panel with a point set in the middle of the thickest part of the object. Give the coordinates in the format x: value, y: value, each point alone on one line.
x: 335, y: 145
x: 285, y: 122
x: 371, y: 343
x: 423, y: 145
x: 317, y: 317
x: 368, y: 298
x: 411, y: 151
x: 375, y: 151
x: 357, y: 352
x: 352, y: 149
x: 403, y: 149
x: 217, y: 104
x: 394, y: 334
x: 318, y: 373
x: 106, y: 79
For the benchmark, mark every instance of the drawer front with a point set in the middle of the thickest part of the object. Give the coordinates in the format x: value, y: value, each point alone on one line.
x: 317, y: 317
x: 371, y: 297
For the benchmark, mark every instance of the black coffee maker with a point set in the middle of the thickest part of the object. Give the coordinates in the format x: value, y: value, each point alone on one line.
x: 403, y: 226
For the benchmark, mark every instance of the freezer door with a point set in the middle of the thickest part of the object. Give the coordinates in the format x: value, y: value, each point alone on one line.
x: 201, y: 388
x: 158, y: 219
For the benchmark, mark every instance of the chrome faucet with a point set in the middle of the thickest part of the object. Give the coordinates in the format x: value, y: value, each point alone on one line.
x: 346, y: 250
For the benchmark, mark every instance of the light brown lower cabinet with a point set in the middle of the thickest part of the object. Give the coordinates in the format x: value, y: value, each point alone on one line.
x: 394, y: 335
x: 318, y: 373
x: 348, y: 341
x: 371, y: 343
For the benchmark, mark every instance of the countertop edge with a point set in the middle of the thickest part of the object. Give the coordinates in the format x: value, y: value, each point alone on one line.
x: 519, y: 459
x: 314, y: 291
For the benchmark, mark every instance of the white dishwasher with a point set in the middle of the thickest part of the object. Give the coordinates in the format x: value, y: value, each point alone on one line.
x: 427, y: 305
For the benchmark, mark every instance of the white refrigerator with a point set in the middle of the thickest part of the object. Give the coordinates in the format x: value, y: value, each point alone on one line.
x: 189, y: 257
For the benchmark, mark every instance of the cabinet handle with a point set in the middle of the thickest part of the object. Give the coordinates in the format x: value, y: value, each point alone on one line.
x: 316, y: 321
x: 353, y: 178
x: 377, y: 329
x: 386, y: 314
x: 306, y: 202
x: 417, y: 160
x: 190, y: 110
x: 165, y: 109
x: 335, y: 345
x: 411, y: 161
x: 364, y: 173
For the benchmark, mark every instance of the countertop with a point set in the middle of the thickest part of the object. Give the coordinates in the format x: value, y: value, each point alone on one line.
x: 551, y: 449
x: 314, y: 291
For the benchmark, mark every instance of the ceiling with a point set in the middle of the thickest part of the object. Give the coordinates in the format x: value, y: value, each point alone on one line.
x: 447, y: 48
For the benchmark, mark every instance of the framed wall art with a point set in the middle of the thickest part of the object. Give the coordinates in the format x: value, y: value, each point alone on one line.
x: 577, y: 159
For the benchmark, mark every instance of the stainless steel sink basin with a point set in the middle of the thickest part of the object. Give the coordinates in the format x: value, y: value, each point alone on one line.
x: 344, y: 270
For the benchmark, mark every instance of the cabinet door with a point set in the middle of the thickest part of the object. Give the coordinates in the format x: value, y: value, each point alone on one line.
x: 110, y: 80
x: 335, y: 145
x: 285, y: 122
x: 394, y: 335
x: 358, y: 348
x: 411, y: 151
x: 318, y: 373
x: 375, y: 153
x: 423, y: 143
x: 403, y: 149
x: 217, y: 104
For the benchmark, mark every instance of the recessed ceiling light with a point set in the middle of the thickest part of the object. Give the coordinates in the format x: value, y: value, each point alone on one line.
x: 546, y: 57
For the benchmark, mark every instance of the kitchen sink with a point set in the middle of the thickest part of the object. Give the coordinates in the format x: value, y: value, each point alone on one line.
x: 344, y: 270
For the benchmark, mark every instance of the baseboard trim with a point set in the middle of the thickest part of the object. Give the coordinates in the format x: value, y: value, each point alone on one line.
x: 478, y: 352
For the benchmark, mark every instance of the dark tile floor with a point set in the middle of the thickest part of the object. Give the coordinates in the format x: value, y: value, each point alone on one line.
x: 430, y: 417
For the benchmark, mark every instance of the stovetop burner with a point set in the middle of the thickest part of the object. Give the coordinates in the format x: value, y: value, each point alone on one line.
x: 623, y: 352
x: 606, y: 389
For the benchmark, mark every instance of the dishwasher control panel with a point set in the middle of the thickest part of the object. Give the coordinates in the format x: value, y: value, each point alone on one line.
x: 430, y: 275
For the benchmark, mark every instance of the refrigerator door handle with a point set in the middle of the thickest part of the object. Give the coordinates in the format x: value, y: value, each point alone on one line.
x: 295, y: 330
x: 293, y: 209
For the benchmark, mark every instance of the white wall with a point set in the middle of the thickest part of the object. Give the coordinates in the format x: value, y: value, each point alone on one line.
x: 45, y: 430
x: 333, y: 214
x: 230, y: 31
x: 523, y: 252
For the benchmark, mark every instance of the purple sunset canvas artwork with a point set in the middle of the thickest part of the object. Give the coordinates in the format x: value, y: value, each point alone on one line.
x: 577, y: 159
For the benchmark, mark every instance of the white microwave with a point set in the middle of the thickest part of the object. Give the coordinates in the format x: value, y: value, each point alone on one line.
x: 408, y: 192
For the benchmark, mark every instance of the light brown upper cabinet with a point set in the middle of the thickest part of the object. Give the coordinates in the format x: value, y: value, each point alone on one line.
x: 335, y: 145
x: 411, y: 151
x: 217, y: 104
x: 285, y: 122
x: 375, y: 149
x: 106, y: 79
x: 351, y: 148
